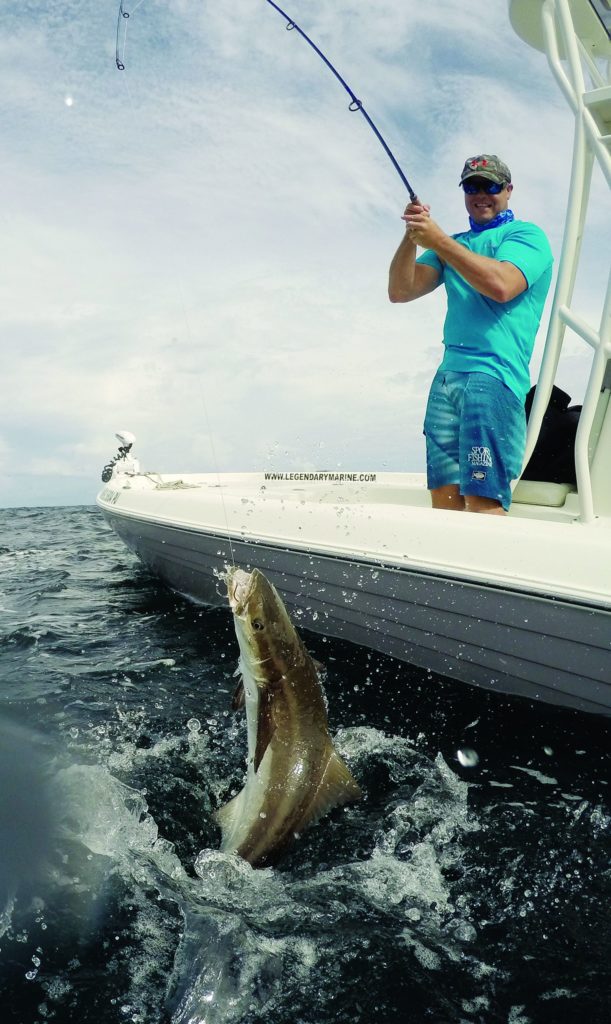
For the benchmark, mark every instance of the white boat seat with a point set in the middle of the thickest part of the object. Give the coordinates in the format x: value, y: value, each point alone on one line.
x: 540, y: 492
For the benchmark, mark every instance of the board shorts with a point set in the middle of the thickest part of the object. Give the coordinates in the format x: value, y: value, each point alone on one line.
x: 475, y: 430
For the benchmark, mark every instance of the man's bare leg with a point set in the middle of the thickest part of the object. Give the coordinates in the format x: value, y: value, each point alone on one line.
x: 473, y: 503
x: 448, y: 497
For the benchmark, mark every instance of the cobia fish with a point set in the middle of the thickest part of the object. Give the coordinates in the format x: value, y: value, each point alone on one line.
x: 294, y: 774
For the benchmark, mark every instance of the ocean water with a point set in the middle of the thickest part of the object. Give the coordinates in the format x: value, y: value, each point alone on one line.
x: 470, y: 886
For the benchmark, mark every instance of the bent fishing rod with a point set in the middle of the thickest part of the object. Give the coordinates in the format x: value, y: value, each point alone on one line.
x: 355, y: 103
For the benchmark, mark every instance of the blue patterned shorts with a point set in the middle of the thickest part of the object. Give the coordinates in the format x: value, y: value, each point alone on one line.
x: 475, y: 431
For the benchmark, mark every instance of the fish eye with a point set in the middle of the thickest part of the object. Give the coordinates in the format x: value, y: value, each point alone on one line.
x: 257, y: 624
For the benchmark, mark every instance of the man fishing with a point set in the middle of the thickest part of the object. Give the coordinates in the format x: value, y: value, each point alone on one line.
x: 497, y: 275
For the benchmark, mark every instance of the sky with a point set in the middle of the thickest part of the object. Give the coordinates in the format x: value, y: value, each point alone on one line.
x: 196, y: 249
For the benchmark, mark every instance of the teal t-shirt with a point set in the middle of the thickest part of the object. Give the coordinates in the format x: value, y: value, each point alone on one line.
x: 484, y: 336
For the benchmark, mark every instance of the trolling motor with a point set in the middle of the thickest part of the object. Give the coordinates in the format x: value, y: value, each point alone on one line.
x: 123, y: 462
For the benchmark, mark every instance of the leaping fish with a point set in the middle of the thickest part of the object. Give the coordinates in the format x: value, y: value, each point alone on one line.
x: 294, y: 774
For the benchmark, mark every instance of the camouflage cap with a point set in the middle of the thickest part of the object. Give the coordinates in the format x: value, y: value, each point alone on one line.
x: 486, y: 165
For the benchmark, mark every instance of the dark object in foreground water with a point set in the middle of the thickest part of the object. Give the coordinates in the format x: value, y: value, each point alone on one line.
x: 25, y: 815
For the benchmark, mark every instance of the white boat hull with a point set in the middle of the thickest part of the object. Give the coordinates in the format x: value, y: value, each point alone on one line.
x: 520, y: 605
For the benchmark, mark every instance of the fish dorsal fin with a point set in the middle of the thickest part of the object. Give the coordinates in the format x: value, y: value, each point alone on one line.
x: 265, y: 727
x: 337, y: 786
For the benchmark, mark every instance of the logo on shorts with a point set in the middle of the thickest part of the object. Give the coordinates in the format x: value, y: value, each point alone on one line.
x: 480, y: 456
x: 478, y: 474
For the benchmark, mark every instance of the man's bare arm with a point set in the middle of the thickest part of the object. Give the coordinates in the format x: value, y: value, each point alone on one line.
x: 407, y: 279
x: 495, y: 279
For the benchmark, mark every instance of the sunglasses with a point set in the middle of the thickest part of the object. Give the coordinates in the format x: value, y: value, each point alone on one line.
x: 491, y: 188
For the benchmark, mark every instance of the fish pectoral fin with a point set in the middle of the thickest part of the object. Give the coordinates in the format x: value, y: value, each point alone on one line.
x: 239, y: 697
x: 266, y: 728
x: 337, y: 786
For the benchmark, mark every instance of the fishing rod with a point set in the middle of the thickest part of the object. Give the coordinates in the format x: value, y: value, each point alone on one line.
x: 120, y: 50
x: 355, y: 103
x: 122, y: 19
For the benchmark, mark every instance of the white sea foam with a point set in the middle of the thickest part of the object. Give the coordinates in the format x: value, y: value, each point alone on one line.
x: 112, y: 820
x: 545, y: 780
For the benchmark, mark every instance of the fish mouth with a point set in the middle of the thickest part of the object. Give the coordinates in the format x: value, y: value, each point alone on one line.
x: 240, y: 586
x: 256, y: 605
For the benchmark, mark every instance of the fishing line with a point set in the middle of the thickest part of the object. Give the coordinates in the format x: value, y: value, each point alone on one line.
x: 355, y: 103
x: 174, y: 276
x: 208, y: 424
